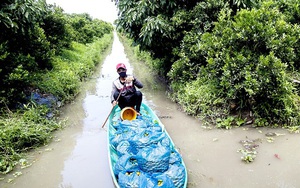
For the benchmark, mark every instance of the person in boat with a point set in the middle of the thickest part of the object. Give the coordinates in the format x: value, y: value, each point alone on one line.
x: 124, y: 92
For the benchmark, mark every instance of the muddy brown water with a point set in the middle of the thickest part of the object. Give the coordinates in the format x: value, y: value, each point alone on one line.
x: 77, y: 157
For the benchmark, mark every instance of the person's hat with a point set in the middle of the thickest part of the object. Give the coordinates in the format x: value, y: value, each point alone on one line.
x: 121, y: 65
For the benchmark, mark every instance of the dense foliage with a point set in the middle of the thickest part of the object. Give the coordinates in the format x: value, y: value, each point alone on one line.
x: 248, y: 58
x: 159, y: 26
x: 226, y: 61
x: 32, y: 33
x: 148, y: 23
x: 85, y: 29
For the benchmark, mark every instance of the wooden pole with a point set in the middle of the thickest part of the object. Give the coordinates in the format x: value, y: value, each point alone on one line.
x: 112, y: 109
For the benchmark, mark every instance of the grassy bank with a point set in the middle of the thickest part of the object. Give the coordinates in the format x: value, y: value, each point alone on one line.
x: 32, y: 125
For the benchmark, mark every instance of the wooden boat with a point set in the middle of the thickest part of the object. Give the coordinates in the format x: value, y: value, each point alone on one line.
x: 155, y: 176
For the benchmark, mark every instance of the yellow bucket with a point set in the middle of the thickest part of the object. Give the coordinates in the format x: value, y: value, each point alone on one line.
x: 128, y: 113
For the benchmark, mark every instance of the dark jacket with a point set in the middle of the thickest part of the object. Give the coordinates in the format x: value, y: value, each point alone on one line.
x: 126, y: 88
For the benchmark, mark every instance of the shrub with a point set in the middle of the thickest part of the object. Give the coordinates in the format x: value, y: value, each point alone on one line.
x: 249, y: 57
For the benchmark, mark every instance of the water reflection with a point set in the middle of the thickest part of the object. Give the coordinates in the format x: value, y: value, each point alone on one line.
x: 88, y: 164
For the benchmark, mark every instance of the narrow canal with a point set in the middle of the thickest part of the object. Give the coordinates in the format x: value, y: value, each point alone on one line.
x: 77, y: 158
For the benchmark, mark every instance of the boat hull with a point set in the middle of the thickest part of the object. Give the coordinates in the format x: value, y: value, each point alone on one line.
x: 114, y: 155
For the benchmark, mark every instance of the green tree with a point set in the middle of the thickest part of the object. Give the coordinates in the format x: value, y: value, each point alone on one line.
x: 25, y: 44
x: 85, y: 29
x: 149, y: 24
x: 56, y: 28
x: 160, y: 26
x: 248, y: 58
x: 193, y: 23
x: 32, y: 32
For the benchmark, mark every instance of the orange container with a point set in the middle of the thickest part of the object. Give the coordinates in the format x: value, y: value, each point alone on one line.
x: 128, y: 113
